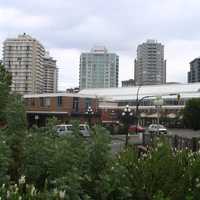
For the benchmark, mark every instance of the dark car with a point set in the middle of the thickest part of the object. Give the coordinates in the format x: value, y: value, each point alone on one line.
x: 134, y: 129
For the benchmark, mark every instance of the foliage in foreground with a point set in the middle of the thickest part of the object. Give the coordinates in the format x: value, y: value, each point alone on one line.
x: 191, y: 114
x: 71, y: 167
x: 39, y: 164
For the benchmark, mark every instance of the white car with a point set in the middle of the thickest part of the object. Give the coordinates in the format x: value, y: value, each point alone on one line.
x: 157, y: 128
x: 64, y: 129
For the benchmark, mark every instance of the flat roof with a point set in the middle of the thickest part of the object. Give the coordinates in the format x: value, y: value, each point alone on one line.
x: 167, y: 91
x: 187, y: 90
x: 64, y: 94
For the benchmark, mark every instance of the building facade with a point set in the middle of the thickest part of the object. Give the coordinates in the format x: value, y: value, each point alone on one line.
x: 65, y: 107
x: 50, y: 74
x: 150, y: 65
x: 98, y: 69
x: 23, y: 58
x: 194, y: 73
x: 109, y: 103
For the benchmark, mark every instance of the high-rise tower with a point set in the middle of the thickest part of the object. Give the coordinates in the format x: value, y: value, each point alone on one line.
x: 50, y: 74
x: 150, y: 66
x: 98, y: 69
x: 23, y: 58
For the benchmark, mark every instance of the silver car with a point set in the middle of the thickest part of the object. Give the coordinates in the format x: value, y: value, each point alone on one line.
x: 157, y: 128
x: 65, y: 129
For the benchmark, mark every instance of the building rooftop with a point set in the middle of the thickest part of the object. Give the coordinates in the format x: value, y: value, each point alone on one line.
x: 191, y: 90
x: 130, y: 93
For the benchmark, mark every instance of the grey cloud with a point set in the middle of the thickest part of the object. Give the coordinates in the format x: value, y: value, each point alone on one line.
x: 120, y: 25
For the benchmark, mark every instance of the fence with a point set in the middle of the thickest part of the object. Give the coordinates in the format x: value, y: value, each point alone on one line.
x: 175, y: 141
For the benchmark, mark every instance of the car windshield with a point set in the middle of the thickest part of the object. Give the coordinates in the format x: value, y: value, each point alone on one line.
x: 161, y: 126
x: 81, y: 128
x: 60, y: 128
x: 84, y: 127
x: 69, y: 128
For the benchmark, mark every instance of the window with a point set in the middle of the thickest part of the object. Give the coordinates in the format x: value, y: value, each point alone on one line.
x: 41, y: 102
x: 76, y: 104
x: 32, y: 102
x: 47, y: 101
x: 59, y: 101
x: 26, y: 87
x: 88, y: 103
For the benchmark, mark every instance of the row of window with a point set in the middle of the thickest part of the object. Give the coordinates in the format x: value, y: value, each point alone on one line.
x: 149, y: 102
x: 18, y: 47
x: 46, y: 102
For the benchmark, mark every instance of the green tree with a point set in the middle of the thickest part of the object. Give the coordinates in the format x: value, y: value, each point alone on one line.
x: 5, y: 82
x: 191, y: 114
x: 15, y: 134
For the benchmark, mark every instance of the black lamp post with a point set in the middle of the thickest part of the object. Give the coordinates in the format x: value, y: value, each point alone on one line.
x: 37, y: 120
x: 127, y: 115
x: 89, y: 114
x: 138, y: 101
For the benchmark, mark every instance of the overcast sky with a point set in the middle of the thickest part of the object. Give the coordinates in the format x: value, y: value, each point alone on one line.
x: 68, y: 27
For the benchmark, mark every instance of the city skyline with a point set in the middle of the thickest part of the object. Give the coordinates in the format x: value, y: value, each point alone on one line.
x: 119, y: 26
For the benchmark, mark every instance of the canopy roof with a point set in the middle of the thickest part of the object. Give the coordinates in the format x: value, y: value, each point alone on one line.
x: 191, y: 90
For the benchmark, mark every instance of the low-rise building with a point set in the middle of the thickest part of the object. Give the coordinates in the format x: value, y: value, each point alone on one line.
x: 108, y: 104
x: 63, y: 106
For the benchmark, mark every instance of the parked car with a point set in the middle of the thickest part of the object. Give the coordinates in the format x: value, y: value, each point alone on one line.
x: 134, y: 129
x: 157, y: 128
x: 64, y: 129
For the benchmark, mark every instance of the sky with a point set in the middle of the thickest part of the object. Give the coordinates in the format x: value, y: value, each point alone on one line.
x: 68, y: 27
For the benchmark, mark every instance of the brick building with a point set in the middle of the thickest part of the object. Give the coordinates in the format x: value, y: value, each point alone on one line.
x: 63, y: 106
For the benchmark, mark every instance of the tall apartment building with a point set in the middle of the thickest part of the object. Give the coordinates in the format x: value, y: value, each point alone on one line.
x: 194, y: 73
x: 23, y: 58
x: 98, y: 69
x: 150, y: 66
x: 50, y: 74
x: 128, y: 83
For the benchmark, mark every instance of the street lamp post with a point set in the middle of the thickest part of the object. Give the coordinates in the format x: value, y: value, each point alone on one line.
x: 89, y: 114
x: 158, y: 103
x: 37, y: 120
x: 137, y: 107
x: 138, y: 101
x: 127, y: 114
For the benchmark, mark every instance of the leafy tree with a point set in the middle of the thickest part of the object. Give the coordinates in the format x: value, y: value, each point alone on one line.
x: 4, y: 158
x: 191, y: 114
x: 5, y: 82
x: 39, y: 152
x: 98, y: 160
x: 15, y: 135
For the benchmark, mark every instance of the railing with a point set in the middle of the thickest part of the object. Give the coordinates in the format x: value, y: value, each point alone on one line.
x: 178, y: 142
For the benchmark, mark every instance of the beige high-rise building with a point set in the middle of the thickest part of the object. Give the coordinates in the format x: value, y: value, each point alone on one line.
x: 50, y: 74
x: 23, y: 57
x: 150, y: 65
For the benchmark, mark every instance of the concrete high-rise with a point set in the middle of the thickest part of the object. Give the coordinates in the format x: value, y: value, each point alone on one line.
x: 98, y: 69
x: 50, y: 74
x: 150, y: 66
x: 194, y: 73
x: 23, y: 58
